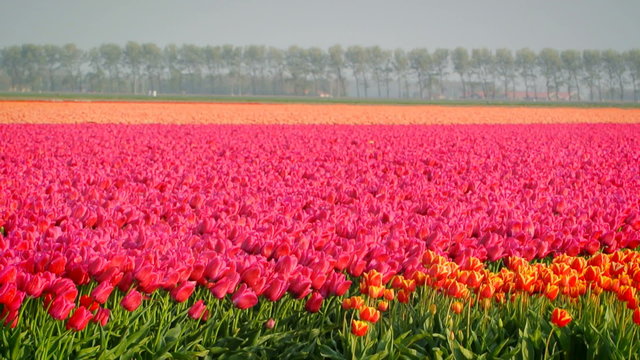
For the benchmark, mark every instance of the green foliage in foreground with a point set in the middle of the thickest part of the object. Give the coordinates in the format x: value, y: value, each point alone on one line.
x: 160, y: 329
x: 304, y: 100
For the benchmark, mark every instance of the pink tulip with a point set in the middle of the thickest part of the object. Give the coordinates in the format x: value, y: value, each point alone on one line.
x: 198, y: 311
x: 131, y: 301
x: 244, y: 298
x: 60, y: 308
x: 101, y: 292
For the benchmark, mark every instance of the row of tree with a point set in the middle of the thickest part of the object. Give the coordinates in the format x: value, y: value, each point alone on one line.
x: 359, y: 71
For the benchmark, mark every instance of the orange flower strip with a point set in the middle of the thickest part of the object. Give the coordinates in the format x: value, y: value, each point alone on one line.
x: 34, y: 112
x: 566, y: 276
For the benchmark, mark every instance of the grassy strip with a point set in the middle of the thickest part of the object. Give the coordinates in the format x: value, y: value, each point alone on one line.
x: 304, y: 100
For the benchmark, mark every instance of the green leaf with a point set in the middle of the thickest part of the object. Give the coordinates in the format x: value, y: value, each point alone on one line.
x: 468, y: 354
x: 172, y: 335
x: 88, y: 353
x: 329, y: 353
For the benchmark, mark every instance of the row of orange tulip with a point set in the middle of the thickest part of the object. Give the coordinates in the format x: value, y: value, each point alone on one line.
x: 472, y: 282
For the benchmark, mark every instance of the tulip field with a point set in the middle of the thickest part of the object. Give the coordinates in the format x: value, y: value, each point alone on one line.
x: 293, y: 231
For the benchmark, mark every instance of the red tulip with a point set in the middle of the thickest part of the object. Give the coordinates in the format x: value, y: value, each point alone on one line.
x: 636, y: 316
x: 89, y: 303
x: 79, y: 320
x: 8, y: 274
x: 16, y: 302
x: 10, y: 317
x: 101, y: 317
x: 7, y: 292
x: 314, y: 303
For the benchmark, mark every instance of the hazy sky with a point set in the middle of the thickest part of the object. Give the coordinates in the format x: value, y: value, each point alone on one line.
x: 561, y: 24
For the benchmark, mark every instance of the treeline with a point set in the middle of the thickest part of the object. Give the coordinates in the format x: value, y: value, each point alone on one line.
x: 549, y: 75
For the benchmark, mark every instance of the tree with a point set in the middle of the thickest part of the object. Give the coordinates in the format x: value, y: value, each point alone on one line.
x: 505, y: 67
x: 461, y: 66
x: 420, y: 63
x: 317, y: 64
x: 111, y: 57
x: 96, y: 78
x: 71, y: 60
x: 356, y: 58
x: 551, y: 68
x: 172, y: 62
x: 400, y: 64
x: 32, y: 60
x: 572, y: 64
x: 297, y: 66
x: 337, y: 63
x: 632, y: 62
x: 192, y: 60
x: 614, y: 68
x: 525, y: 63
x: 153, y: 65
x: 592, y: 65
x: 133, y: 58
x: 212, y: 57
x: 232, y: 60
x: 254, y: 56
x: 440, y: 60
x: 483, y: 66
x: 13, y: 65
x: 378, y: 63
x: 276, y: 66
x: 52, y: 57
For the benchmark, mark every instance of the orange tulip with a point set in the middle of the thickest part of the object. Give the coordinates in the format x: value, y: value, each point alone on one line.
x: 389, y: 294
x: 369, y: 314
x: 420, y: 278
x: 359, y: 328
x: 486, y: 291
x: 383, y: 306
x: 376, y: 291
x: 354, y: 302
x: 457, y: 307
x: 552, y: 292
x: 403, y: 296
x: 560, y: 317
x: 592, y: 273
x: 373, y: 278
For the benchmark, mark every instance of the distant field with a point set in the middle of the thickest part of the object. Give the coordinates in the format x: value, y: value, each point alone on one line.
x: 130, y: 112
x: 303, y: 100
